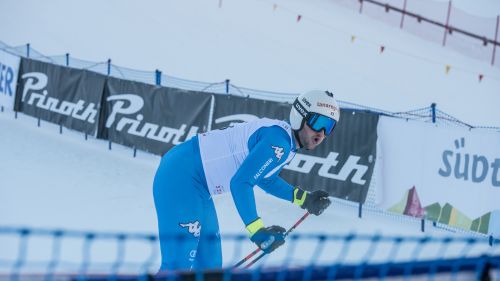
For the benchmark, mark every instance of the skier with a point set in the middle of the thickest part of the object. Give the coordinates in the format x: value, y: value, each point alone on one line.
x: 235, y: 159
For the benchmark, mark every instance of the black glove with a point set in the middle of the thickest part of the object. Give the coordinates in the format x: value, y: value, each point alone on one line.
x: 314, y: 202
x: 269, y: 238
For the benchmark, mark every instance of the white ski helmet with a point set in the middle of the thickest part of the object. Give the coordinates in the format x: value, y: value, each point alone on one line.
x: 321, y: 102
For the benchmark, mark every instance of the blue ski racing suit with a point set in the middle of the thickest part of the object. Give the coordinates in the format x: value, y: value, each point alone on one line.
x: 234, y: 159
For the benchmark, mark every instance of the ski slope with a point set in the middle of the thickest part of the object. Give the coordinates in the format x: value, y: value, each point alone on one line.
x: 63, y: 181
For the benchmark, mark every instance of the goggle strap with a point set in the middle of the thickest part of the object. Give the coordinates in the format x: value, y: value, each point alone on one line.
x: 300, y: 108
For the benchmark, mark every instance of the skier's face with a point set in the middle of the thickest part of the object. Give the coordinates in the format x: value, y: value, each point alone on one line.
x: 310, y: 139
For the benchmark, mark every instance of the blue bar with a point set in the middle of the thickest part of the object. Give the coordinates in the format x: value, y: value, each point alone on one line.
x: 433, y: 110
x: 109, y: 67
x: 158, y: 77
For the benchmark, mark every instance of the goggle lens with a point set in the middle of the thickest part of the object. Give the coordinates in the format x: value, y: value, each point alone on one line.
x: 319, y: 122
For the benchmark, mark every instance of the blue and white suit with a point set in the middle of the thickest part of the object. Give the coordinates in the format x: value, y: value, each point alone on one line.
x: 234, y: 159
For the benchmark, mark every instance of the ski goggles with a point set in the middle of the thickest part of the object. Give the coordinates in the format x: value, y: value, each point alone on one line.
x: 318, y: 122
x: 315, y: 121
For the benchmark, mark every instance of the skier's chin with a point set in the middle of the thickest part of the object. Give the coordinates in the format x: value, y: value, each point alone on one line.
x: 311, y: 146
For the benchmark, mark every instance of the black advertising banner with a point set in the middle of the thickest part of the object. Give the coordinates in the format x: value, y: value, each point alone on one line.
x: 342, y: 165
x: 61, y: 95
x: 151, y: 118
x: 231, y: 109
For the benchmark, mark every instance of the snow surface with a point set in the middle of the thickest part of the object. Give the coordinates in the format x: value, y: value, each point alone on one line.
x: 58, y: 181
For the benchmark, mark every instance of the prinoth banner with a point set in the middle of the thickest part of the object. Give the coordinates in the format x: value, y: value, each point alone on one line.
x: 232, y: 109
x: 342, y: 165
x: 151, y: 118
x: 448, y: 175
x: 9, y: 67
x: 60, y: 95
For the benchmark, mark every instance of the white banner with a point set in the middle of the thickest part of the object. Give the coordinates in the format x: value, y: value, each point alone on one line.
x: 450, y: 175
x: 9, y: 67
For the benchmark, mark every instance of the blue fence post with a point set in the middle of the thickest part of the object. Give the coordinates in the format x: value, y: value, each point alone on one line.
x: 227, y: 86
x: 28, y: 50
x: 109, y: 67
x: 433, y: 111
x: 22, y: 253
x: 56, y: 250
x: 158, y: 77
x: 360, y: 210
x: 67, y: 59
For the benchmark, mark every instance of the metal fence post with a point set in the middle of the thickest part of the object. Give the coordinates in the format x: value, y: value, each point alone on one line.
x: 109, y: 67
x: 227, y: 86
x: 446, y: 28
x: 67, y: 59
x: 496, y: 40
x: 433, y: 111
x: 158, y: 77
x: 403, y: 15
x: 28, y: 50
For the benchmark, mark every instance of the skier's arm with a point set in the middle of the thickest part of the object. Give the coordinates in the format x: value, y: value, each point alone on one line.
x: 277, y: 187
x: 268, y: 149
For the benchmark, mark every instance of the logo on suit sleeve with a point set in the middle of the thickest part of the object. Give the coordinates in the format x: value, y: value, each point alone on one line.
x: 278, y: 151
x: 193, y: 228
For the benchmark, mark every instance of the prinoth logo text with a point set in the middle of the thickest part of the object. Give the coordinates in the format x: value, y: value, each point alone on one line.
x: 36, y: 94
x: 304, y: 164
x: 126, y: 106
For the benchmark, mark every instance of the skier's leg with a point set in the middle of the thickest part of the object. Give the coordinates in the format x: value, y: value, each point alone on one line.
x: 209, y: 249
x: 179, y: 209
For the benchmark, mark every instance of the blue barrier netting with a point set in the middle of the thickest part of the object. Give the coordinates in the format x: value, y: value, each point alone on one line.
x: 56, y: 254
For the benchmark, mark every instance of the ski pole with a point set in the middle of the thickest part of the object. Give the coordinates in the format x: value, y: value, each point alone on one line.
x: 263, y: 254
x: 247, y: 258
x: 286, y: 234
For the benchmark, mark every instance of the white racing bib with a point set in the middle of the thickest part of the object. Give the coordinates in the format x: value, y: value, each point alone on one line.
x: 222, y: 151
